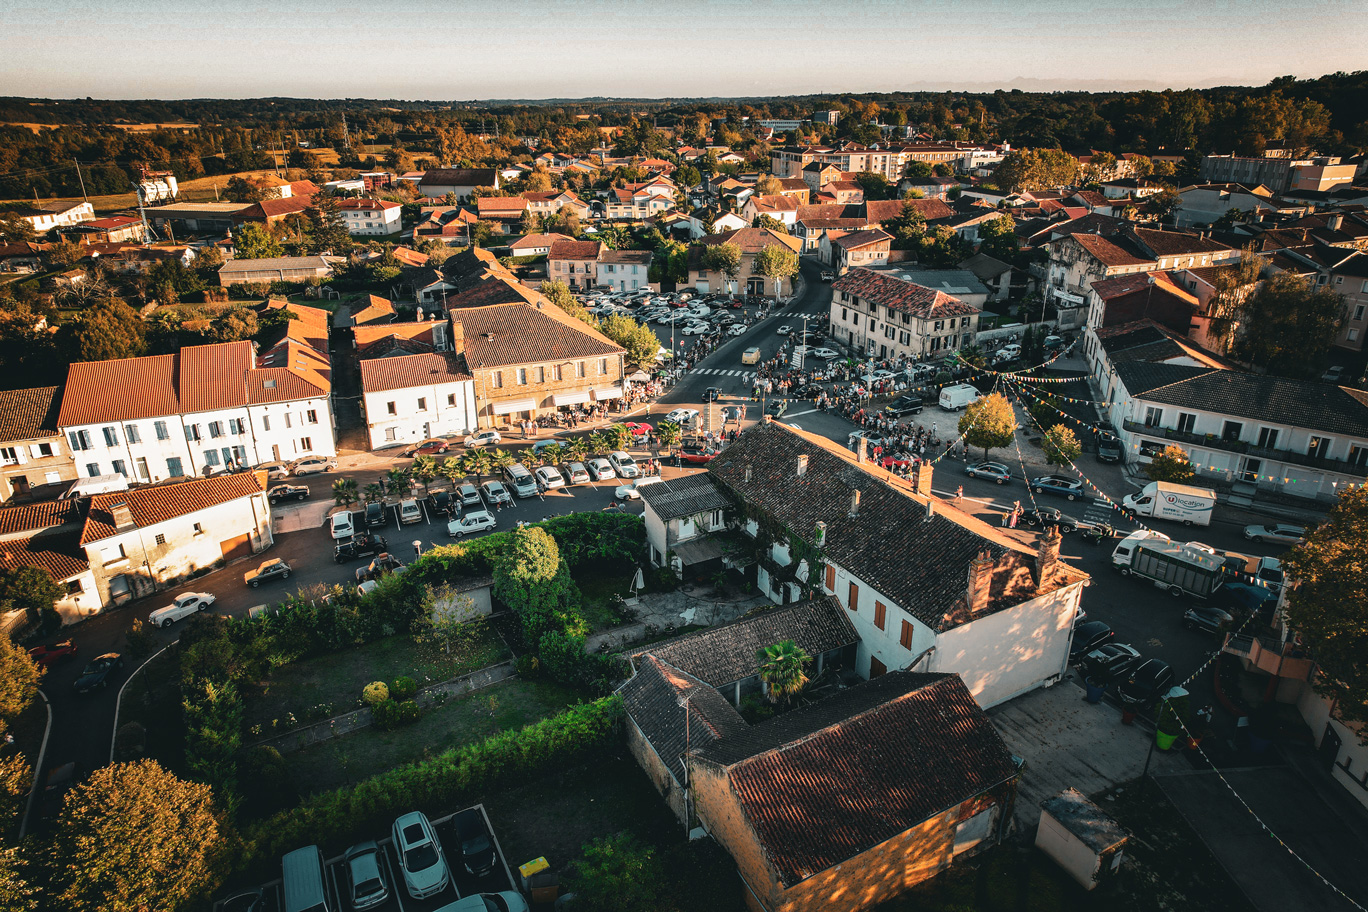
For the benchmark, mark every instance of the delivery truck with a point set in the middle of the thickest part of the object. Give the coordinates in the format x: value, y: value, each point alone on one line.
x: 1165, y: 500
x: 1176, y: 567
x: 955, y: 398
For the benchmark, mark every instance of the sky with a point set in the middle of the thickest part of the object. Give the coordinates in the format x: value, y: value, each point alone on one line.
x: 530, y: 49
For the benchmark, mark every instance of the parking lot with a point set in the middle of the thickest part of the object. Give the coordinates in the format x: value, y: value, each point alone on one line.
x: 269, y: 896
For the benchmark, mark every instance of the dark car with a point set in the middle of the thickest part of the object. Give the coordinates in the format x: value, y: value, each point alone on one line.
x: 281, y: 493
x: 96, y: 675
x: 1206, y: 617
x: 1109, y: 661
x: 383, y: 563
x: 360, y: 546
x: 712, y: 394
x: 1087, y: 636
x: 906, y: 405
x: 1244, y: 597
x: 477, y: 849
x: 432, y: 447
x: 440, y: 503
x: 1063, y: 485
x: 1049, y: 516
x: 1148, y: 681
x: 777, y: 408
x: 376, y: 515
x: 811, y: 392
x: 45, y: 656
x: 1108, y: 449
x: 250, y: 901
x: 267, y: 571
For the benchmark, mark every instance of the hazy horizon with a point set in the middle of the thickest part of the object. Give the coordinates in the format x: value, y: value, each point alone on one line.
x: 422, y: 51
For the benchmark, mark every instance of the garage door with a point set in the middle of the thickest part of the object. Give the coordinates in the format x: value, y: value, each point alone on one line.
x: 233, y: 548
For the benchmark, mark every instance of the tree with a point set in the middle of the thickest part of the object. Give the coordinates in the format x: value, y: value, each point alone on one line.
x: 399, y: 480
x: 327, y: 229
x: 1061, y: 445
x: 989, y: 422
x: 17, y: 892
x: 531, y: 578
x: 254, y: 242
x: 618, y: 874
x: 875, y: 186
x: 1163, y: 204
x: 478, y: 462
x: 669, y: 433
x: 1327, y: 603
x: 19, y: 676
x: 31, y: 590
x: 453, y: 470
x: 15, y: 229
x: 1035, y: 169
x: 1233, y: 284
x: 723, y: 258
x: 768, y: 185
x: 917, y: 170
x: 558, y: 293
x: 1171, y: 465
x: 768, y: 221
x: 617, y: 436
x: 997, y: 238
x: 446, y: 622
x: 134, y: 837
x: 241, y: 190
x: 775, y: 262
x: 344, y: 491
x: 108, y: 330
x: 481, y: 233
x: 66, y: 253
x: 424, y: 470
x: 530, y: 223
x: 637, y: 338
x: 688, y: 176
x: 781, y: 668
x: 1287, y: 324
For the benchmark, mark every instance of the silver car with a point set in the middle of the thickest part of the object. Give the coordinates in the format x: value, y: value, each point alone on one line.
x: 1283, y: 533
x: 420, y: 856
x: 365, y: 877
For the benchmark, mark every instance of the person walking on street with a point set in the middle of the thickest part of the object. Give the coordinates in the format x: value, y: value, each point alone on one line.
x: 959, y: 494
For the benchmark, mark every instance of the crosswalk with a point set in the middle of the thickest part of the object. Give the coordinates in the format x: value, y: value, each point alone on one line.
x: 748, y: 376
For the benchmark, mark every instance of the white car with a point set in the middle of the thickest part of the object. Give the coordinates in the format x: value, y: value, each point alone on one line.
x: 483, y: 438
x: 342, y: 525
x: 784, y: 330
x: 700, y: 309
x: 409, y: 512
x: 600, y: 469
x: 182, y: 607
x: 736, y: 329
x: 633, y: 491
x: 550, y: 477
x: 494, y: 492
x: 473, y: 521
x: 311, y: 465
x: 682, y: 416
x: 826, y: 354
x: 695, y: 329
x: 623, y: 464
x: 1008, y: 353
x: 421, y: 863
x: 503, y: 901
x: 275, y: 471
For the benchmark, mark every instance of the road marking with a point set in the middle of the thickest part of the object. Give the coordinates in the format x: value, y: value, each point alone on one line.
x: 799, y: 414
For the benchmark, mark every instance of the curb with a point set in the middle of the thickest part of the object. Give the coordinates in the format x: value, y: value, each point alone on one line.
x: 118, y: 703
x: 37, y: 769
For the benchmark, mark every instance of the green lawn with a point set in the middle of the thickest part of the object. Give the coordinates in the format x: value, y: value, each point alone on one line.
x: 598, y: 592
x: 331, y: 684
x: 510, y: 704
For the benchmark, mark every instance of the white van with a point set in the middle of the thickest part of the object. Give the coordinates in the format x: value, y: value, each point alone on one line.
x: 98, y: 484
x: 957, y: 397
x: 521, y: 480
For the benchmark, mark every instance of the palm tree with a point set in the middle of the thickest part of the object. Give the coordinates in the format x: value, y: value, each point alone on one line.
x: 424, y: 469
x: 669, y: 434
x: 452, y: 469
x: 399, y: 480
x: 373, y: 492
x: 500, y: 460
x: 344, y: 491
x: 781, y: 668
x: 553, y: 454
x: 600, y: 443
x: 578, y: 448
x: 478, y: 462
x: 618, y: 436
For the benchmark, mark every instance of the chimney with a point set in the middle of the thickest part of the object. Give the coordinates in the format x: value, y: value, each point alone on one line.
x: 123, y: 518
x: 1047, y: 554
x: 457, y: 337
x: 930, y: 509
x: 1334, y: 222
x: 747, y: 474
x: 855, y: 503
x: 819, y: 535
x: 860, y: 446
x: 802, y: 465
x: 980, y: 582
x: 921, y: 479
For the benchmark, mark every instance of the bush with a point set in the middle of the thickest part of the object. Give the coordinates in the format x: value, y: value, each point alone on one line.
x: 338, y: 818
x: 618, y: 874
x: 527, y: 666
x: 375, y: 693
x: 393, y: 714
x: 564, y: 660
x: 140, y: 641
x: 403, y: 689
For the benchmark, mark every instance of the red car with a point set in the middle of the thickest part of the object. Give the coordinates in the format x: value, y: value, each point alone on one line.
x: 428, y: 448
x: 637, y: 428
x: 51, y: 655
x: 697, y: 455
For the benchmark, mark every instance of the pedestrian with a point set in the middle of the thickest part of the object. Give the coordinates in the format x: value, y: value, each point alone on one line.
x: 959, y: 494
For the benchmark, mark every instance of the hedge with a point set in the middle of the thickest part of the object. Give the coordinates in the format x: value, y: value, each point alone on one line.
x: 461, y: 775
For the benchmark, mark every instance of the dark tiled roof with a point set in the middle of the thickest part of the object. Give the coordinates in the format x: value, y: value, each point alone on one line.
x: 858, y: 239
x: 157, y: 503
x: 28, y: 414
x: 828, y: 781
x: 883, y: 210
x: 652, y: 699
x: 726, y: 653
x: 527, y: 334
x: 1170, y: 243
x: 459, y: 177
x: 626, y: 257
x: 1299, y: 403
x: 672, y: 498
x: 574, y: 250
x: 31, y: 517
x: 1108, y: 253
x: 905, y: 297
x: 404, y: 371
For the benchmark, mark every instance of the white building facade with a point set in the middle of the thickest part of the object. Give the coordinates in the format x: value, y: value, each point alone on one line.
x: 409, y: 398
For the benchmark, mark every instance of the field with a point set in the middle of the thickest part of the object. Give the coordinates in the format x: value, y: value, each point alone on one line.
x: 197, y: 190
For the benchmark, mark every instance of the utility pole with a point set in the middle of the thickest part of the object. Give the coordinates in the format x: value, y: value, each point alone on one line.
x: 346, y: 135
x: 82, y: 180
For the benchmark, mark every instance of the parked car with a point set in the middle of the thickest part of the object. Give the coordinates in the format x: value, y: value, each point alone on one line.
x: 440, y: 503
x: 342, y: 525
x: 826, y: 354
x: 97, y: 672
x: 624, y: 466
x: 1109, y: 661
x: 684, y: 417
x: 992, y: 471
x: 1053, y: 341
x: 549, y: 477
x: 600, y: 469
x: 365, y: 876
x: 1049, y: 516
x: 1333, y: 374
x: 421, y: 863
x: 275, y: 471
x: 1146, y: 683
x: 284, y: 492
x: 382, y: 564
x: 541, y: 446
x: 1283, y: 533
x: 632, y: 491
x: 1206, y: 617
x: 1108, y: 449
x: 1007, y: 353
x: 1062, y: 485
x: 182, y: 607
x: 828, y: 275
x: 910, y: 404
x: 495, y: 493
x: 637, y: 429
x: 712, y: 394
x: 575, y: 473
x: 433, y: 447
x: 695, y: 329
x: 777, y: 408
x: 267, y: 571
x: 358, y: 546
x: 312, y: 465
x: 47, y: 656
x: 505, y: 901
x: 473, y: 521
x: 409, y: 511
x: 477, y: 847
x: 695, y: 454
x: 784, y: 330
x: 1087, y: 636
x: 469, y: 494
x: 483, y: 439
x: 737, y: 329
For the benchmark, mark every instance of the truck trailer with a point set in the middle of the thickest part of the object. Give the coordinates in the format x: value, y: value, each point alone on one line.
x: 1177, y: 568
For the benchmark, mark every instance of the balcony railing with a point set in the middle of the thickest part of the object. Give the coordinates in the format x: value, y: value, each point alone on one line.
x: 1248, y: 449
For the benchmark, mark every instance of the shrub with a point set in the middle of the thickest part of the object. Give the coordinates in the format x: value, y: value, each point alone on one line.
x: 527, y: 666
x: 564, y: 660
x: 375, y: 693
x: 618, y: 874
x: 393, y: 714
x: 403, y: 689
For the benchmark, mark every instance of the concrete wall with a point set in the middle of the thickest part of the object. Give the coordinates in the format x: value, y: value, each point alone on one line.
x: 660, y: 776
x: 1350, y: 767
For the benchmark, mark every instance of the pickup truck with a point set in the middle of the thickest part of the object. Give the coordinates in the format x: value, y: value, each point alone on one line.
x: 283, y: 492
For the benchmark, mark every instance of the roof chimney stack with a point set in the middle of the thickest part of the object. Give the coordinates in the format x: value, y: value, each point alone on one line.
x: 921, y: 478
x: 980, y: 582
x: 123, y: 517
x: 802, y: 465
x: 747, y: 473
x: 855, y: 503
x: 1334, y: 222
x: 1047, y: 554
x: 860, y: 445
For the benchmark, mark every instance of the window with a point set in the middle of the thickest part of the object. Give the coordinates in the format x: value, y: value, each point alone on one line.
x: 1186, y: 422
x: 1154, y: 417
x: 312, y: 415
x: 131, y: 433
x: 192, y: 432
x: 120, y: 468
x: 556, y: 372
x: 92, y: 469
x: 879, y: 611
x: 1358, y: 455
x: 236, y: 426
x: 1319, y: 447
x: 211, y: 457
x: 111, y: 436
x: 42, y: 449
x: 579, y: 369
x: 80, y: 440
x: 9, y: 456
x: 160, y: 539
x: 74, y: 587
x: 1353, y: 335
x: 391, y: 434
x: 1231, y: 430
x: 496, y: 380
x: 306, y: 444
x: 522, y: 376
x: 451, y: 399
x: 422, y: 404
x: 876, y: 668
x: 141, y: 464
x: 844, y: 315
x: 905, y: 637
x: 603, y: 366
x: 199, y: 529
x: 1268, y: 438
x: 853, y: 599
x: 831, y: 573
x: 265, y: 422
x: 392, y: 408
x: 173, y: 467
x: 1358, y: 311
x: 288, y: 422
x: 215, y: 429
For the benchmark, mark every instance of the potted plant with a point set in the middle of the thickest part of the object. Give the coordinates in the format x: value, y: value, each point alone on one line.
x: 1173, y: 720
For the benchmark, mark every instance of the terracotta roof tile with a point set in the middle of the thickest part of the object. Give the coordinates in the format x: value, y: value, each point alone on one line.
x: 883, y: 210
x: 212, y: 376
x: 459, y: 177
x: 905, y: 297
x: 857, y: 239
x: 59, y: 554
x: 574, y: 250
x: 28, y: 414
x: 157, y: 503
x: 527, y: 334
x: 403, y: 371
x: 1106, y: 252
x: 37, y: 516
x: 367, y: 336
x: 652, y: 699
x: 98, y: 391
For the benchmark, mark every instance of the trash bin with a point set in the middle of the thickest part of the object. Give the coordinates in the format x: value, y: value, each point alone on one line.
x: 1096, y: 688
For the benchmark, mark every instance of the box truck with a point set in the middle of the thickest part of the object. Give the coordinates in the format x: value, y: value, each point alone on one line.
x: 1165, y: 500
x: 1175, y: 567
x: 955, y: 398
